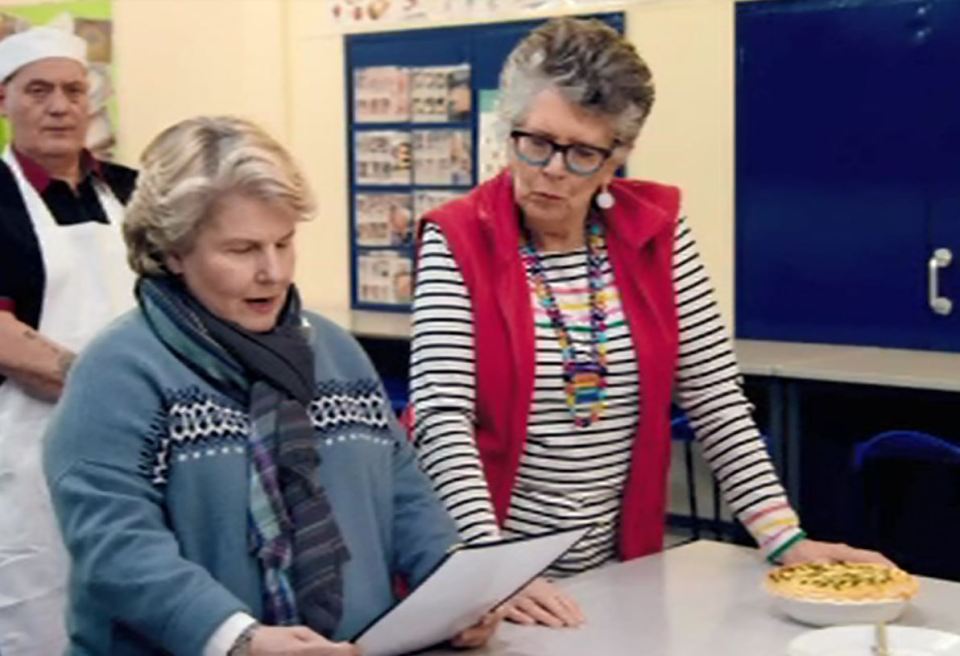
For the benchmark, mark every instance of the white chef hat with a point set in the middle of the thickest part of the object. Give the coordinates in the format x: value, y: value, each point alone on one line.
x: 22, y: 48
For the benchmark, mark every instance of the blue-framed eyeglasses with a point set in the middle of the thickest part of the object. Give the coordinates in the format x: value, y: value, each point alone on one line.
x: 579, y: 159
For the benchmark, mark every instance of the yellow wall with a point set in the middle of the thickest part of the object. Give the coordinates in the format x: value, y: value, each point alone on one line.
x: 689, y: 45
x: 277, y: 62
x: 179, y: 58
x: 318, y: 139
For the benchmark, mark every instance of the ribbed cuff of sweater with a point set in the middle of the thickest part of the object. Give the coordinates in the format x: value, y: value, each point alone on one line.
x: 775, y: 527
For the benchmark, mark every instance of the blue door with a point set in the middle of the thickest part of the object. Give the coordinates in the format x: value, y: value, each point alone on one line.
x: 833, y: 205
x: 943, y: 105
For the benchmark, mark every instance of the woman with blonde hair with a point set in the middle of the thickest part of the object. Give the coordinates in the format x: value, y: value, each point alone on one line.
x: 226, y: 470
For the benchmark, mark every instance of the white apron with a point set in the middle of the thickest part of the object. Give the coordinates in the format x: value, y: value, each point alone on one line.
x: 87, y: 285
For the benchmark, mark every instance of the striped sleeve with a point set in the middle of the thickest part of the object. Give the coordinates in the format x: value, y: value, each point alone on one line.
x: 709, y: 390
x: 442, y: 389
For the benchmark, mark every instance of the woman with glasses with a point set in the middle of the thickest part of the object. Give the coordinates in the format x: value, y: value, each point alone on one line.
x: 557, y: 310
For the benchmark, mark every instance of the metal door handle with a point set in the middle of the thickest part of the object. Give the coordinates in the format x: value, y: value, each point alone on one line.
x: 941, y: 258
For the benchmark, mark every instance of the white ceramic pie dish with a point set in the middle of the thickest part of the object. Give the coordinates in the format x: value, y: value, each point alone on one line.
x: 828, y: 595
x: 818, y: 612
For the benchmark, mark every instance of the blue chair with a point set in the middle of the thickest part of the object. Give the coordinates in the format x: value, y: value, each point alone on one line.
x: 722, y: 530
x: 681, y: 431
x: 908, y: 484
x: 905, y: 445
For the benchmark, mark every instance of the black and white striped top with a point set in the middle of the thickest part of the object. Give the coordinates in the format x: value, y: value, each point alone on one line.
x: 571, y: 476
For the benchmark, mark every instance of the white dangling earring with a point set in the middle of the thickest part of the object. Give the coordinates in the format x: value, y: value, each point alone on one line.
x: 605, y: 199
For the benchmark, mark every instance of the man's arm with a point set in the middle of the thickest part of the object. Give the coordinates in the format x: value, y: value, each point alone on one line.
x: 37, y: 364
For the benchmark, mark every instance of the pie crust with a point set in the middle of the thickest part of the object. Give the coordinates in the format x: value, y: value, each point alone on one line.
x: 841, y: 582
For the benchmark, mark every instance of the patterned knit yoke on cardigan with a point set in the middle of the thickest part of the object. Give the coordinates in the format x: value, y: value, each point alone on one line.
x: 292, y: 530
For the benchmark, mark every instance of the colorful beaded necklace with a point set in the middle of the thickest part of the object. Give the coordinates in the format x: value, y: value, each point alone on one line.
x: 585, y: 383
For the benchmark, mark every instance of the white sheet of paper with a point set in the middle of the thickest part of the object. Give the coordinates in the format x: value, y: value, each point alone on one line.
x: 470, y: 582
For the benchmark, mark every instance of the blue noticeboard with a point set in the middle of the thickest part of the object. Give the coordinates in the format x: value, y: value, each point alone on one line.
x: 848, y: 170
x: 378, y: 189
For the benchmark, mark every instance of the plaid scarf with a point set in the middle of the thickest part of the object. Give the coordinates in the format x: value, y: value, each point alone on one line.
x: 292, y: 530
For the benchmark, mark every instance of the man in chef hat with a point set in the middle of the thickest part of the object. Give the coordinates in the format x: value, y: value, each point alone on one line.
x: 63, y: 276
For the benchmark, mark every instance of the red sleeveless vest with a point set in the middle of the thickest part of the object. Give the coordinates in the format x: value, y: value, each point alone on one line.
x: 482, y: 231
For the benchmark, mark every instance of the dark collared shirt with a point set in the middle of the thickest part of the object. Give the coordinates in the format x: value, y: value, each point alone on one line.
x: 21, y: 264
x: 68, y: 206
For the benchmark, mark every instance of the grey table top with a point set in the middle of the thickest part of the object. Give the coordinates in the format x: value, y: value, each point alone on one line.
x: 700, y: 599
x: 930, y: 370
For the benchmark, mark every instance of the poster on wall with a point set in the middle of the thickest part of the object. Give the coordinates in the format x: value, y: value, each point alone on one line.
x: 442, y: 157
x: 385, y: 277
x: 92, y: 20
x: 492, y: 149
x: 440, y: 94
x: 382, y: 157
x: 381, y: 94
x: 459, y: 96
x: 365, y: 15
x: 361, y: 15
x: 425, y: 200
x: 384, y: 219
x: 347, y: 14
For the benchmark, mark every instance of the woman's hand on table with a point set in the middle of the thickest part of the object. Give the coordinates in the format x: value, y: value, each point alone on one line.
x: 542, y: 602
x: 296, y: 641
x: 814, y: 551
x: 478, y: 634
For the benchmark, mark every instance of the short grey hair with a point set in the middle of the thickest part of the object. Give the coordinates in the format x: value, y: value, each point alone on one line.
x: 188, y: 169
x: 588, y: 62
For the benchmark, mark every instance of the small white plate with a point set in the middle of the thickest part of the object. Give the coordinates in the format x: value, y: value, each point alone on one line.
x: 858, y: 641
